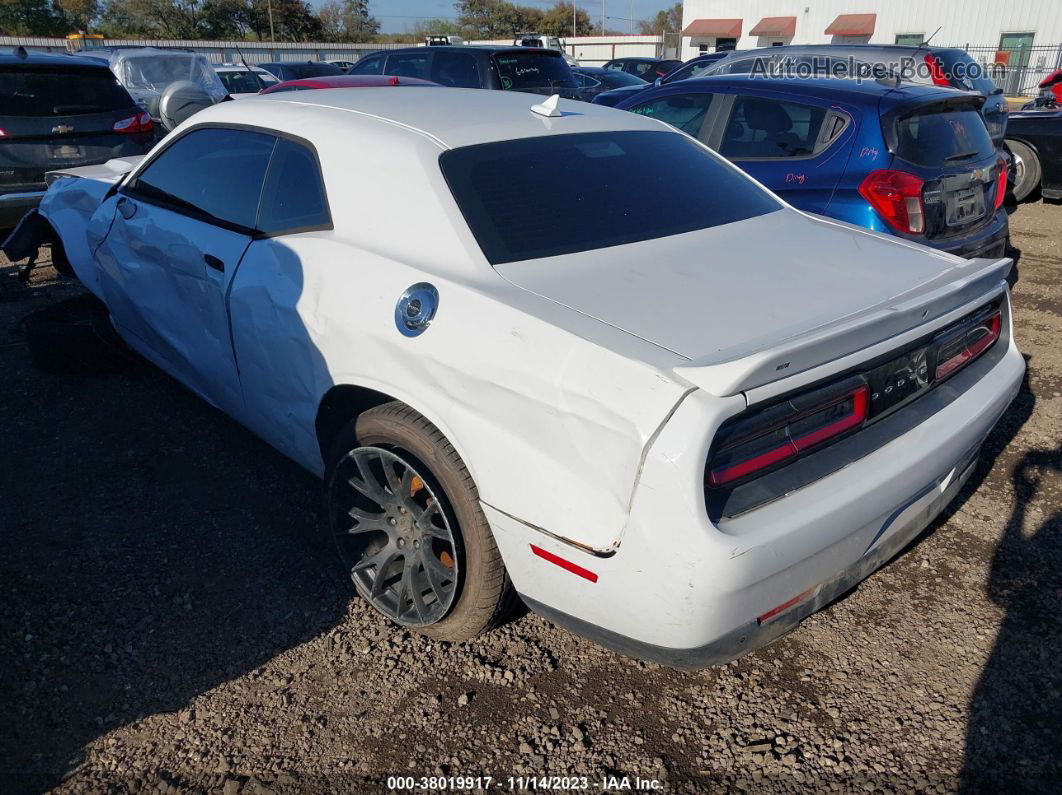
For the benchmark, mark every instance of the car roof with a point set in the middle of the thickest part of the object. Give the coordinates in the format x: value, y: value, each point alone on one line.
x: 828, y: 87
x: 349, y: 81
x: 10, y: 57
x: 898, y: 49
x: 451, y: 118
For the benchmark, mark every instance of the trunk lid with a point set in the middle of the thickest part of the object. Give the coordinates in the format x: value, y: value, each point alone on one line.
x: 759, y: 299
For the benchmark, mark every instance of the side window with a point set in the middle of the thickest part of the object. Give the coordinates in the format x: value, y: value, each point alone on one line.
x: 212, y: 173
x: 768, y: 128
x: 368, y: 66
x: 293, y: 198
x: 455, y: 69
x: 615, y: 66
x: 410, y: 64
x: 684, y: 111
x: 642, y: 69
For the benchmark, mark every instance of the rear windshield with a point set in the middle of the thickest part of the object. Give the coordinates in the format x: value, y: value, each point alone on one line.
x: 965, y: 72
x: 558, y: 194
x: 242, y: 82
x: 55, y: 92
x: 302, y: 70
x: 533, y: 70
x: 943, y: 138
x: 619, y: 79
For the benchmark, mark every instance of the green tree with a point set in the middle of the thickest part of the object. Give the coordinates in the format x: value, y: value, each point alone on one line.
x: 32, y: 18
x: 667, y: 21
x: 557, y: 21
x: 80, y: 14
x: 347, y: 20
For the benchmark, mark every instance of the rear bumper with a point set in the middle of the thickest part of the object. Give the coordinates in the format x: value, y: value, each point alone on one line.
x: 989, y: 242
x: 15, y: 205
x: 684, y: 591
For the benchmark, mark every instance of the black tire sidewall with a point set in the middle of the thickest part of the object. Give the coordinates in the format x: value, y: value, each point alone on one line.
x: 396, y: 428
x: 1031, y: 178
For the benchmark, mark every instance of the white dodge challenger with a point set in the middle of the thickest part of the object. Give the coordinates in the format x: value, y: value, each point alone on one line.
x: 564, y: 352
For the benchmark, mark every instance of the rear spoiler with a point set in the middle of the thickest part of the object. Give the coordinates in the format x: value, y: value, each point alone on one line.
x: 730, y: 372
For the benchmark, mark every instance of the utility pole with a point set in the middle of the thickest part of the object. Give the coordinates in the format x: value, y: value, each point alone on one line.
x: 632, y: 17
x: 575, y: 9
x: 272, y: 35
x: 602, y: 17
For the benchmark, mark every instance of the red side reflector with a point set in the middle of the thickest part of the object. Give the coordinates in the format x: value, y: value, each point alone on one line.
x: 785, y: 606
x: 567, y: 565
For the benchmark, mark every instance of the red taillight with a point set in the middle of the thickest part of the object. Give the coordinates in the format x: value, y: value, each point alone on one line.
x: 897, y: 196
x: 761, y: 442
x: 3, y: 133
x: 1001, y: 183
x: 958, y: 351
x: 137, y: 123
x: 936, y: 71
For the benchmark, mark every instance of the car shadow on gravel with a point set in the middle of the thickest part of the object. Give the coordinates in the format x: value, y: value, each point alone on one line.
x: 152, y: 550
x: 1014, y: 736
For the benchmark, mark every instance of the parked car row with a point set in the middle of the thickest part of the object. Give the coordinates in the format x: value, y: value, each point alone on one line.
x: 556, y: 382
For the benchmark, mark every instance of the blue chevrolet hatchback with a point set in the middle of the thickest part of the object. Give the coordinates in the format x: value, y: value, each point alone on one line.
x: 909, y: 160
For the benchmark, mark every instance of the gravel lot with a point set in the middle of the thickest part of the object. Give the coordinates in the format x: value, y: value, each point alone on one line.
x: 171, y: 621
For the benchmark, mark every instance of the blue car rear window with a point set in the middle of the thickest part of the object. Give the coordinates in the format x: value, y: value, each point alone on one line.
x: 559, y: 194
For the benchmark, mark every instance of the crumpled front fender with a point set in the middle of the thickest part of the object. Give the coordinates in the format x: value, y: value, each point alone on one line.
x: 32, y: 231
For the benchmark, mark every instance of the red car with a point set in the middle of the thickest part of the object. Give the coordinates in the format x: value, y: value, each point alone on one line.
x: 345, y: 81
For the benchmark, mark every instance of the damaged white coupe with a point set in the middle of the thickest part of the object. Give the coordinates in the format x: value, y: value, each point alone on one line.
x: 556, y: 351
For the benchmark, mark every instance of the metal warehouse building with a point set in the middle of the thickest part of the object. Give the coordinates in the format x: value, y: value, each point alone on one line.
x: 1023, y: 34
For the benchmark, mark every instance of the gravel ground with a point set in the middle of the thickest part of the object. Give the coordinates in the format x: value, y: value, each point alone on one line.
x: 171, y: 621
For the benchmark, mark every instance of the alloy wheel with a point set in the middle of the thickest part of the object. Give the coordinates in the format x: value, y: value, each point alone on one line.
x: 394, y: 536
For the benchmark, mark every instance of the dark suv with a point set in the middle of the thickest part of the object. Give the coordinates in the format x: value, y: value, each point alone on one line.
x: 60, y: 111
x: 537, y: 71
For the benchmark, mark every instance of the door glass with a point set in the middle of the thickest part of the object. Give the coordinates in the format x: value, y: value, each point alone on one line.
x: 767, y: 128
x: 294, y: 197
x: 684, y: 111
x: 368, y: 66
x: 410, y: 65
x: 212, y: 173
x: 455, y: 69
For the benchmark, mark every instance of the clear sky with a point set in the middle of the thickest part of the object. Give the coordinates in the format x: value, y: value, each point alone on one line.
x: 397, y: 16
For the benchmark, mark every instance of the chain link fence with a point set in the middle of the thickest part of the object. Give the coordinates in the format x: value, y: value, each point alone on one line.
x: 1018, y: 70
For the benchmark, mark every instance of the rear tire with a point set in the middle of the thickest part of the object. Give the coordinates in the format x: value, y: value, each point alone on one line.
x: 481, y: 594
x: 1027, y: 170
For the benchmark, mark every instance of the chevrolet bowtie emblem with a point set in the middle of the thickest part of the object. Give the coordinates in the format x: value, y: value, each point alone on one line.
x: 62, y: 128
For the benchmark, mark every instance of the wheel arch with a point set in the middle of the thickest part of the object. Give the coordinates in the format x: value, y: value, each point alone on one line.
x: 344, y: 402
x: 1022, y: 140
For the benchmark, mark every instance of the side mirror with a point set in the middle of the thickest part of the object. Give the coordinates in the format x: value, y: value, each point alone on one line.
x: 658, y: 82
